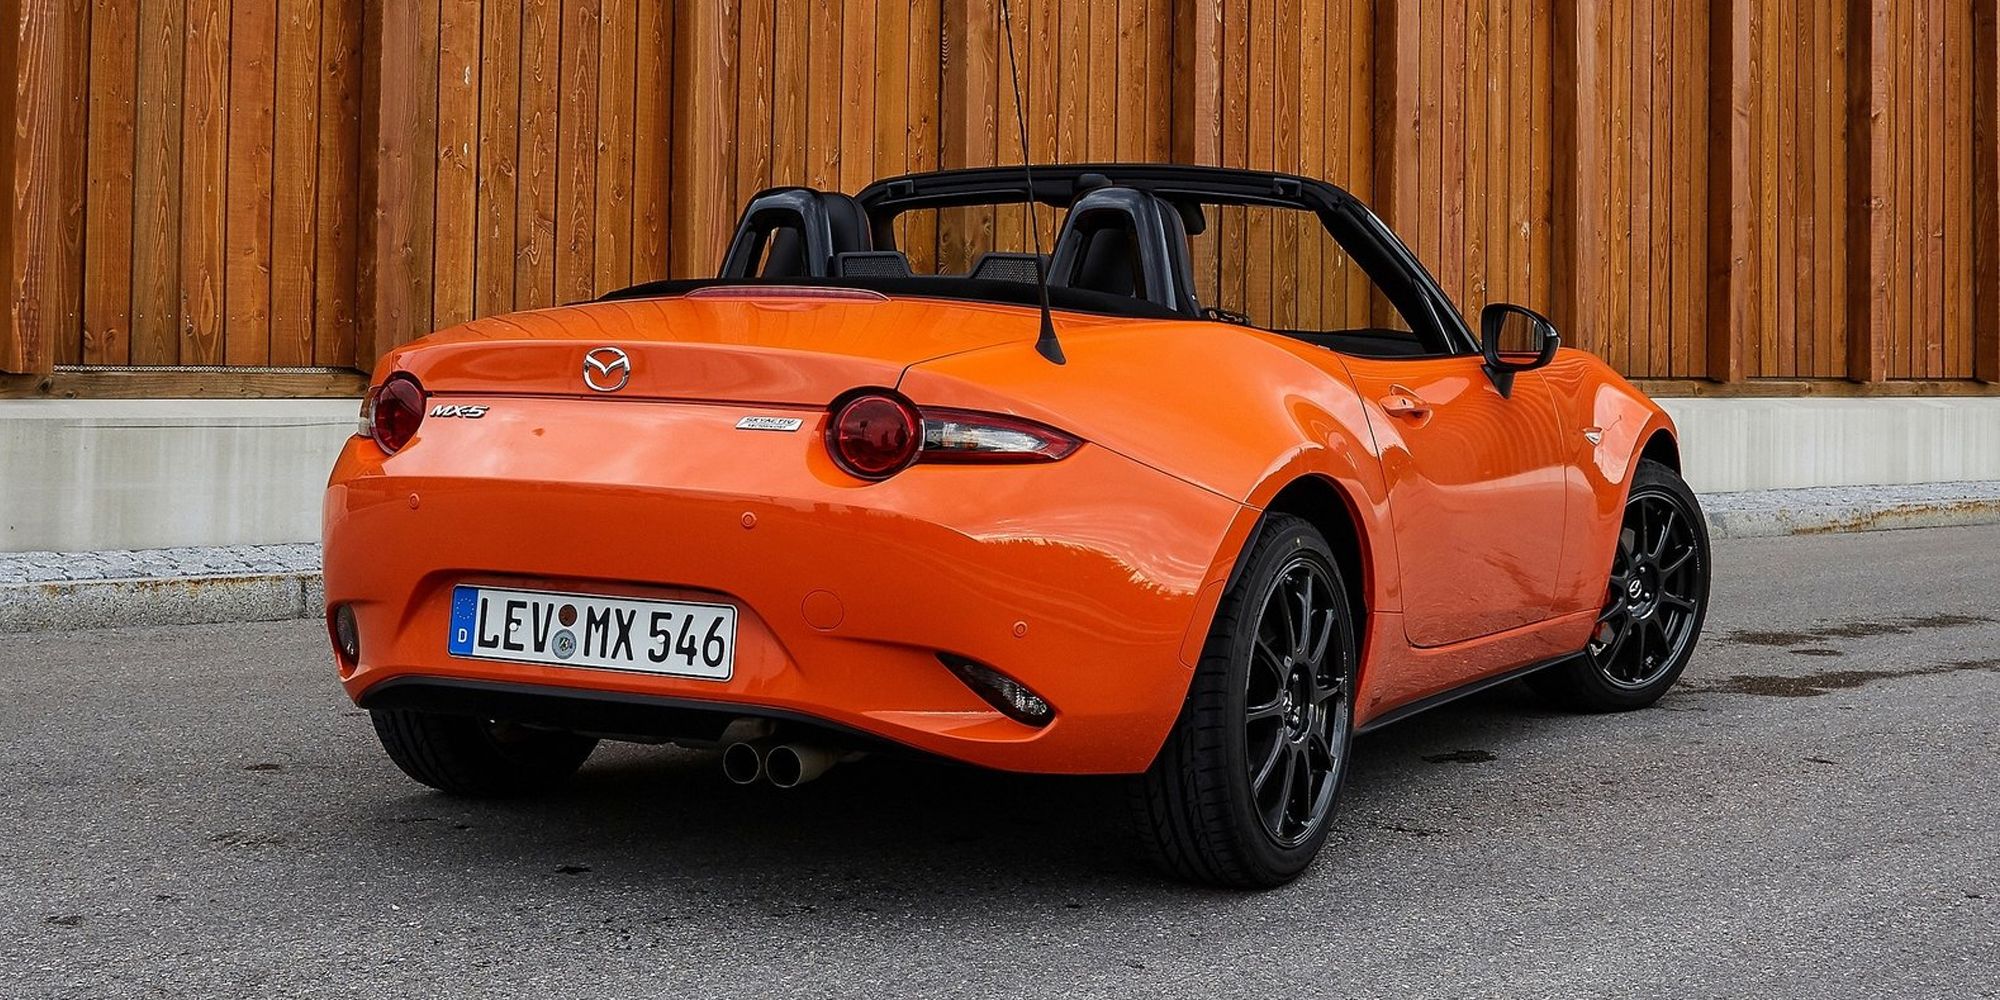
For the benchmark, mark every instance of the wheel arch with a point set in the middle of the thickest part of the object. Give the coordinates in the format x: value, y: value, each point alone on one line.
x: 1662, y: 447
x: 1320, y: 502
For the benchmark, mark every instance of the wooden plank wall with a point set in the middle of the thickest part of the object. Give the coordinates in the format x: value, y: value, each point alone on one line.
x: 1728, y: 189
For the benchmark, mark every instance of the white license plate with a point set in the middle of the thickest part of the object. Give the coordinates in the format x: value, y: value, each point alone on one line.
x: 680, y: 638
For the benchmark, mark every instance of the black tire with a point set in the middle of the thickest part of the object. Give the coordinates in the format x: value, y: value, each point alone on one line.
x: 1198, y: 809
x: 462, y: 755
x: 1655, y: 603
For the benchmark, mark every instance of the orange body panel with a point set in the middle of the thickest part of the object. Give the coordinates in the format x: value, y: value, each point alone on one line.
x: 1092, y: 579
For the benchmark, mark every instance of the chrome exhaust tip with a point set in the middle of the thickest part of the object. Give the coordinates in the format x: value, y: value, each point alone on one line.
x: 789, y: 765
x: 742, y: 764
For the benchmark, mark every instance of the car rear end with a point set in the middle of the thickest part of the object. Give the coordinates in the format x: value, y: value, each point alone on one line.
x: 753, y: 523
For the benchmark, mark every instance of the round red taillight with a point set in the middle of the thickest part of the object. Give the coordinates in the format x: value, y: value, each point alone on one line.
x: 398, y: 410
x: 875, y: 436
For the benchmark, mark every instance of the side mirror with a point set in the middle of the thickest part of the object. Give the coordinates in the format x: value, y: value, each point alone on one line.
x: 1515, y: 339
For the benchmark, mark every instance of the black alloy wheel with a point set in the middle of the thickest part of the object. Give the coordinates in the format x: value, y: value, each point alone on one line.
x: 1655, y: 601
x: 1298, y: 713
x: 1244, y: 791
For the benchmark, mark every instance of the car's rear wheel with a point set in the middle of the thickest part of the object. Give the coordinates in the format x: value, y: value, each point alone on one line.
x: 462, y: 755
x: 1243, y: 792
x: 1655, y: 602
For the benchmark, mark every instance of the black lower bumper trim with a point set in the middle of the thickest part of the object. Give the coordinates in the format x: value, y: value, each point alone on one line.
x: 608, y: 714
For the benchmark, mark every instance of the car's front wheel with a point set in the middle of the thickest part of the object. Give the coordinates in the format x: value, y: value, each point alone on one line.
x: 1654, y: 603
x: 462, y: 755
x: 1243, y: 792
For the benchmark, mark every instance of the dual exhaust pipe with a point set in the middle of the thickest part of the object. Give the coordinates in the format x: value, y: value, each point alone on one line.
x: 784, y: 765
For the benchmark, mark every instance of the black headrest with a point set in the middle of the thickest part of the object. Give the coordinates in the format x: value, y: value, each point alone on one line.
x: 847, y: 221
x: 1123, y: 241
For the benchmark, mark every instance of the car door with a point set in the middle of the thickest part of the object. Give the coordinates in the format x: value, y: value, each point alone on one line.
x: 1477, y: 485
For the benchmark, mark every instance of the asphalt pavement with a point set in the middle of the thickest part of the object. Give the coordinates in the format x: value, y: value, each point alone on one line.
x: 198, y: 812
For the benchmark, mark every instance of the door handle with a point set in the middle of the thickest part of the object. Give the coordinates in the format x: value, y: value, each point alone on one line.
x: 1403, y: 403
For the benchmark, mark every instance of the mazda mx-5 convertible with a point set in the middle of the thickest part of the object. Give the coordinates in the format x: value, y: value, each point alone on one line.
x: 1218, y: 483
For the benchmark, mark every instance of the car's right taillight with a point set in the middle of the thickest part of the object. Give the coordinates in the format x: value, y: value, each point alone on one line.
x: 393, y: 412
x: 878, y: 434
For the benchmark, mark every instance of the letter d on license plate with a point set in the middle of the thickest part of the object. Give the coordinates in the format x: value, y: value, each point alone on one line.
x: 678, y: 638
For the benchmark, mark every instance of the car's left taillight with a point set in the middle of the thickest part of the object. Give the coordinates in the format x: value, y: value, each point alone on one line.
x: 392, y: 412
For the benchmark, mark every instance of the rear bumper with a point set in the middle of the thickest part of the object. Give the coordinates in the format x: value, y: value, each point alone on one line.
x: 1082, y: 579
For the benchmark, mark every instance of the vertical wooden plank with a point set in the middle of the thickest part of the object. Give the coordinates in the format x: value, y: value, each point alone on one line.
x: 1785, y: 335
x: 1769, y: 292
x: 1129, y: 76
x: 576, y: 152
x: 1938, y: 333
x: 967, y: 121
x: 252, y: 95
x: 1462, y: 96
x: 755, y: 151
x: 1540, y: 182
x: 500, y: 115
x: 1985, y: 242
x: 654, y: 125
x: 1957, y: 171
x: 156, y: 221
x: 1158, y: 108
x: 337, y: 217
x: 1904, y: 357
x: 1730, y: 227
x: 1010, y: 221
x: 1500, y: 142
x: 823, y: 62
x: 405, y: 173
x: 926, y: 69
x: 1395, y: 180
x: 1284, y: 156
x: 1620, y: 333
x: 535, y: 202
x: 1834, y: 218
x: 107, y: 264
x: 1429, y: 68
x: 204, y: 165
x: 1923, y: 321
x: 1197, y: 112
x: 1872, y: 114
x: 295, y: 187
x: 1040, y: 69
x: 788, y: 78
x: 14, y: 336
x: 891, y: 88
x: 1682, y: 212
x: 1101, y: 122
x: 1820, y: 243
x: 1659, y: 274
x: 1073, y: 83
x: 617, y: 96
x: 457, y: 202
x: 1312, y: 125
x: 857, y: 95
x: 52, y: 58
x: 703, y: 162
x: 1259, y: 236
x: 1231, y: 225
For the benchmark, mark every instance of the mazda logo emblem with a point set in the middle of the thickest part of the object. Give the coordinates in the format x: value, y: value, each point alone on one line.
x: 607, y: 369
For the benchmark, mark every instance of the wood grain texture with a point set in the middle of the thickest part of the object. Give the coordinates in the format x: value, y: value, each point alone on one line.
x: 456, y: 153
x: 295, y: 162
x: 1731, y: 189
x: 156, y: 185
x: 248, y: 180
x: 108, y: 204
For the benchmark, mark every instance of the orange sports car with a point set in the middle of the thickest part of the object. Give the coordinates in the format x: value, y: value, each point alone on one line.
x: 1149, y: 505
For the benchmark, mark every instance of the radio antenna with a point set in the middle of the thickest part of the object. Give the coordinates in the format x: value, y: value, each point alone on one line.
x: 1046, y: 343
